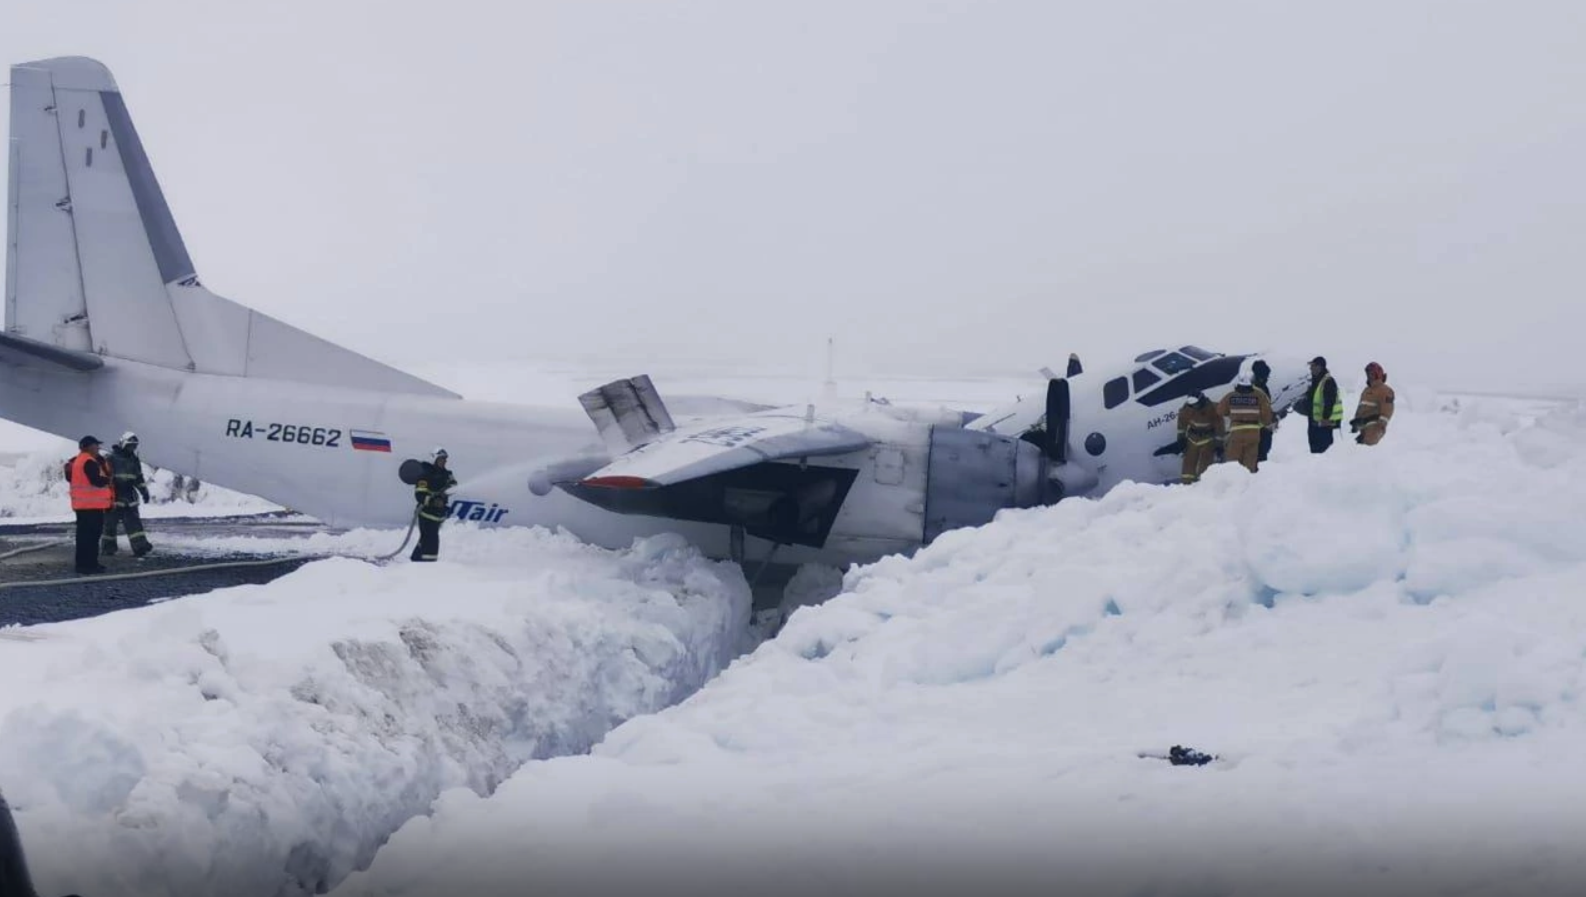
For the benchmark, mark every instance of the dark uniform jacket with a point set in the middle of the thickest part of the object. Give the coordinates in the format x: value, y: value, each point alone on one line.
x: 127, y: 470
x: 430, y: 491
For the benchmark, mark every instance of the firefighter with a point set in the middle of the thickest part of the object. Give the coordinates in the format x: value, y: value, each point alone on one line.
x: 1260, y: 373
x: 1248, y: 412
x: 127, y: 470
x: 430, y: 494
x: 1375, y: 409
x: 1324, y: 413
x: 92, y: 493
x: 1200, y: 432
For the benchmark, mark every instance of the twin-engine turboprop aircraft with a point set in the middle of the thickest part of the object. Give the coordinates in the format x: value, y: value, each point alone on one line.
x: 108, y: 328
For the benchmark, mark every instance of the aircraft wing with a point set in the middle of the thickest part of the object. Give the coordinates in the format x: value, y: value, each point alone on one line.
x: 712, y: 446
x: 19, y: 351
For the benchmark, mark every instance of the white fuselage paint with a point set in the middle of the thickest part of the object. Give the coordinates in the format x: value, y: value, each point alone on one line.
x: 194, y: 424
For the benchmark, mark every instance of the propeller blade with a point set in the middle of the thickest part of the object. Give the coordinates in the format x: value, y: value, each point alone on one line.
x: 1057, y: 409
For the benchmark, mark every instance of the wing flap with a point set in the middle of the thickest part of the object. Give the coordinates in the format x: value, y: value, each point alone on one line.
x: 714, y: 446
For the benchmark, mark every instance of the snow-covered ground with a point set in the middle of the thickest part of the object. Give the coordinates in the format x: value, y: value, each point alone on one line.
x: 264, y: 740
x: 1386, y: 646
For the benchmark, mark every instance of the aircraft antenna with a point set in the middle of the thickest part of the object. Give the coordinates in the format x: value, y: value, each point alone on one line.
x: 831, y: 380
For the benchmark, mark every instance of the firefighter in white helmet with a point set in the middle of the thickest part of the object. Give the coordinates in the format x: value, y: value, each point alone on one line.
x: 430, y: 492
x: 1248, y: 411
x: 126, y: 470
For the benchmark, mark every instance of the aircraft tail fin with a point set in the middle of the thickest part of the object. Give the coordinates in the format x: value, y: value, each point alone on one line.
x: 95, y: 262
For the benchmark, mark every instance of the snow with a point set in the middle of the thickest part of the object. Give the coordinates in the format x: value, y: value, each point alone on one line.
x: 264, y: 740
x: 33, y: 490
x: 1385, y: 646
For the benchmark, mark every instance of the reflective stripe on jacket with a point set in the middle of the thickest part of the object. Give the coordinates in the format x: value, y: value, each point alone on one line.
x: 1318, y: 397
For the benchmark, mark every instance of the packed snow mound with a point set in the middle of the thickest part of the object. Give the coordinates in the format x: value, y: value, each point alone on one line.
x: 1386, y: 648
x: 265, y: 740
x: 34, y: 488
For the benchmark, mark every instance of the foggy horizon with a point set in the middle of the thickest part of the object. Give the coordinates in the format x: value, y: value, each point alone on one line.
x: 946, y: 188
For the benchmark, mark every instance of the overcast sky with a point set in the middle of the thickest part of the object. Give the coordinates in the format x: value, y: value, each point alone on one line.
x: 944, y: 186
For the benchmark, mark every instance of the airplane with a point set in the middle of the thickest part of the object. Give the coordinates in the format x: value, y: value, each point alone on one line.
x: 108, y: 328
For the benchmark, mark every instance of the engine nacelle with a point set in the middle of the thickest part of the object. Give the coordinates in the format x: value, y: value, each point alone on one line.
x: 972, y: 474
x: 1070, y: 478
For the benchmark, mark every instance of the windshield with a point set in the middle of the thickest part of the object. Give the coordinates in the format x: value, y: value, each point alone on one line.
x: 1172, y: 363
x: 1197, y: 353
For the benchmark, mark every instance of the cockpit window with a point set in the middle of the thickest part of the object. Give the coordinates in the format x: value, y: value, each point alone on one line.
x: 1115, y: 392
x: 1147, y: 356
x: 1172, y: 363
x: 1196, y: 352
x: 1143, y: 378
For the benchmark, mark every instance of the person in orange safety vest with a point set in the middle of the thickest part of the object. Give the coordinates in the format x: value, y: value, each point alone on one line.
x: 93, y: 493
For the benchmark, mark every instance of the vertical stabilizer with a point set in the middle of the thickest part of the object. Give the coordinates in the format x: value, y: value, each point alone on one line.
x: 41, y: 244
x: 94, y: 259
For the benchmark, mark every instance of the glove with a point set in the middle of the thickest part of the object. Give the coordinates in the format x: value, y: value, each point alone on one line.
x: 144, y: 491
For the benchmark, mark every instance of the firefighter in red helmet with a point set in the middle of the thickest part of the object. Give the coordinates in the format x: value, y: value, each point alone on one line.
x: 1375, y: 408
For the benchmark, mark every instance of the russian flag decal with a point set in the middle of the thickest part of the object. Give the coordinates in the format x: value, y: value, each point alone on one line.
x: 369, y: 441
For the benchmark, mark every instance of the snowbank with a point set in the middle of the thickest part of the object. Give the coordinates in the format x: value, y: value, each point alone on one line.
x: 32, y: 490
x: 265, y: 740
x: 1386, y: 646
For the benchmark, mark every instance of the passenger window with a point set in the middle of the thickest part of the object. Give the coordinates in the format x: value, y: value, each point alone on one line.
x: 1115, y: 392
x: 1143, y: 378
x: 1172, y: 363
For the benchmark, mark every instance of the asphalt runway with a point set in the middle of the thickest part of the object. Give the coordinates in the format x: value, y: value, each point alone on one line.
x: 38, y: 583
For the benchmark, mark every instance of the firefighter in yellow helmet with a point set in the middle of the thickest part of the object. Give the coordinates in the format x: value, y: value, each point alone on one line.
x: 1248, y: 412
x: 1375, y: 408
x: 1200, y: 432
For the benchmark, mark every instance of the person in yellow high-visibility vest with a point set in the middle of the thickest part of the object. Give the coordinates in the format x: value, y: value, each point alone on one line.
x: 1323, y: 410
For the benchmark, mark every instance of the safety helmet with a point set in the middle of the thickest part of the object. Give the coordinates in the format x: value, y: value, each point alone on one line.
x: 438, y: 454
x: 128, y: 438
x: 1374, y: 370
x: 1243, y: 379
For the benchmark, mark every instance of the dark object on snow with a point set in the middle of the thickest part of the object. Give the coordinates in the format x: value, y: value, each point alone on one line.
x: 14, y: 878
x: 1178, y: 755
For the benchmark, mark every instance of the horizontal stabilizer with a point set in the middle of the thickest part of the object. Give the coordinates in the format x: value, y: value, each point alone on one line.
x: 627, y: 413
x: 19, y: 351
x: 714, y: 446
